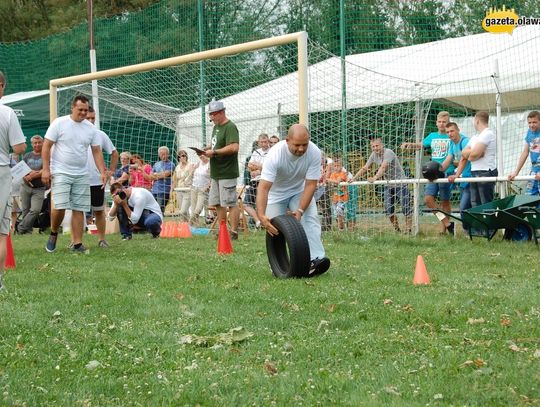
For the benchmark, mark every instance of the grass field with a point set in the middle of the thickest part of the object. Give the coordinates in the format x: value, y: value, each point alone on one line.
x: 170, y: 322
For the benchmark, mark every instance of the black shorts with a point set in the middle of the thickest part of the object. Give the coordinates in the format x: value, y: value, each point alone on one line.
x: 97, y: 197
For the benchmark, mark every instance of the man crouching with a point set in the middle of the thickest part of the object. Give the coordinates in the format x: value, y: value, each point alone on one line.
x: 135, y: 206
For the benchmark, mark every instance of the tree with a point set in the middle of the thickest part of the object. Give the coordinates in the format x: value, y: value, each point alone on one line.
x: 31, y: 20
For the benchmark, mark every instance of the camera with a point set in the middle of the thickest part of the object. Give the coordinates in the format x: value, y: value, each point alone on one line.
x: 122, y: 195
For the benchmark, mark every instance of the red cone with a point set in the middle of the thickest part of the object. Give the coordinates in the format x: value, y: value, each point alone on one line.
x: 224, y: 240
x: 421, y: 276
x: 10, y: 257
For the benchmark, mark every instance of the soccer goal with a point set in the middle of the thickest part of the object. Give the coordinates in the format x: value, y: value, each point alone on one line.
x: 162, y: 103
x: 266, y: 86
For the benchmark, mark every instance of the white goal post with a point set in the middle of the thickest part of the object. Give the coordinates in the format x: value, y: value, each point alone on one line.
x: 301, y: 38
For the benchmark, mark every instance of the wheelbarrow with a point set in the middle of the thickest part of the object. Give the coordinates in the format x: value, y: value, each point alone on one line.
x: 518, y: 215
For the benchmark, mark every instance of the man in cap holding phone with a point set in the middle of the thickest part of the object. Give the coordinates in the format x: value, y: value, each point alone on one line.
x: 223, y: 154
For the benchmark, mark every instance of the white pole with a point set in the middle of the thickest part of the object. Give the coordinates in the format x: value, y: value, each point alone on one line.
x: 95, y: 95
x: 303, y: 79
x: 93, y: 65
x: 440, y: 180
x: 419, y: 129
x: 498, y: 98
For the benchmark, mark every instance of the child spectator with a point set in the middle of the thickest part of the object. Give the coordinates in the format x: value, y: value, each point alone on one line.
x: 340, y: 194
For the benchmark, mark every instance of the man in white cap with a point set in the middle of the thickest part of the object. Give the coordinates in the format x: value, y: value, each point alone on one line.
x: 223, y: 154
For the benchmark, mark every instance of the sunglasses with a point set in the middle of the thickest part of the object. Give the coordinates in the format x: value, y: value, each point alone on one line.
x: 183, y: 155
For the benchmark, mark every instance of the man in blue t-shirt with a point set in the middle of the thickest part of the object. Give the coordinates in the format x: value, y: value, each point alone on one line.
x: 161, y: 175
x: 459, y: 142
x: 532, y: 148
x: 439, y: 144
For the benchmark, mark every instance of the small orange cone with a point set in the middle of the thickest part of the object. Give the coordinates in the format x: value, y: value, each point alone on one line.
x: 184, y: 230
x: 163, y: 229
x: 166, y: 230
x: 420, y: 274
x: 10, y: 257
x: 171, y: 229
x: 175, y: 229
x: 224, y: 240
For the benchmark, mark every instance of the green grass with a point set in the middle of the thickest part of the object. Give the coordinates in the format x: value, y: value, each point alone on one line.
x: 361, y: 334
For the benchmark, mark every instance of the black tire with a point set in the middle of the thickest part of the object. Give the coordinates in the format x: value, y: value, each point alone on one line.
x: 288, y: 252
x: 522, y: 232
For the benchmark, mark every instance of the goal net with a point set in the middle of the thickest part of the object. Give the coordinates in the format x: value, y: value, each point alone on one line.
x: 268, y: 85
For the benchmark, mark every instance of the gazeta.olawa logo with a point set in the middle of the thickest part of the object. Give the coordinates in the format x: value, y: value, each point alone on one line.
x: 499, y: 21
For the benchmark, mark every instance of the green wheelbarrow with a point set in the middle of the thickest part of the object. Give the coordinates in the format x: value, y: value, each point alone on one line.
x: 518, y: 215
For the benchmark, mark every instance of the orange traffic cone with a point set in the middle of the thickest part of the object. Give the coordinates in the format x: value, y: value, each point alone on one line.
x: 10, y: 257
x: 184, y: 230
x: 166, y: 230
x: 171, y: 229
x: 420, y: 274
x: 224, y: 240
x: 175, y: 229
x: 163, y: 232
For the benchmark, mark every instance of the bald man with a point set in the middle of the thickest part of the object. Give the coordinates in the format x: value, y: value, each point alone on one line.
x: 289, y: 178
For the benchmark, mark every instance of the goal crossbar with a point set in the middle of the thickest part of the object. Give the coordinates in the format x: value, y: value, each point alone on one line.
x: 299, y: 37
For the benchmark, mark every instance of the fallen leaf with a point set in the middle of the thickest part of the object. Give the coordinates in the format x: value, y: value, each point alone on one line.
x: 536, y: 353
x: 322, y: 324
x: 387, y: 301
x: 505, y: 322
x: 92, y: 365
x: 179, y: 296
x: 332, y: 308
x: 466, y: 363
x: 234, y: 335
x: 392, y: 390
x: 479, y: 362
x: 19, y: 346
x: 270, y: 368
x: 495, y: 254
x: 473, y: 321
x: 407, y: 308
x: 514, y: 348
x: 476, y: 363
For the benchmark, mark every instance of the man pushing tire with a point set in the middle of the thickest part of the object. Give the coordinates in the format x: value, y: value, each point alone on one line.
x: 289, y: 179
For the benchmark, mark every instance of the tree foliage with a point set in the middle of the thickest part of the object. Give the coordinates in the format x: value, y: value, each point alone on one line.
x: 31, y: 20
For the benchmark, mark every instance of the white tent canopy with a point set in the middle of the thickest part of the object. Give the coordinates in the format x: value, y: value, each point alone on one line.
x: 458, y: 70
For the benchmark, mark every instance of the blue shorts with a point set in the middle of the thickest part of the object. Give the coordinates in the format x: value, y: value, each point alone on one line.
x: 533, y: 186
x: 71, y: 192
x: 443, y: 190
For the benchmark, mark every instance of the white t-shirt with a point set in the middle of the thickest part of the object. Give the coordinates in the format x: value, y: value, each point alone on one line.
x: 141, y: 199
x: 10, y: 133
x: 489, y: 160
x: 258, y: 157
x: 288, y: 172
x: 93, y: 172
x: 72, y: 139
x: 201, y: 175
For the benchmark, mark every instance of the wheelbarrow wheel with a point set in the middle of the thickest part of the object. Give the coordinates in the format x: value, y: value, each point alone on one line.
x: 520, y: 233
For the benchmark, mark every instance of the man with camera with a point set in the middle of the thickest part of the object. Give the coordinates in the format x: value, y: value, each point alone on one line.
x: 135, y: 206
